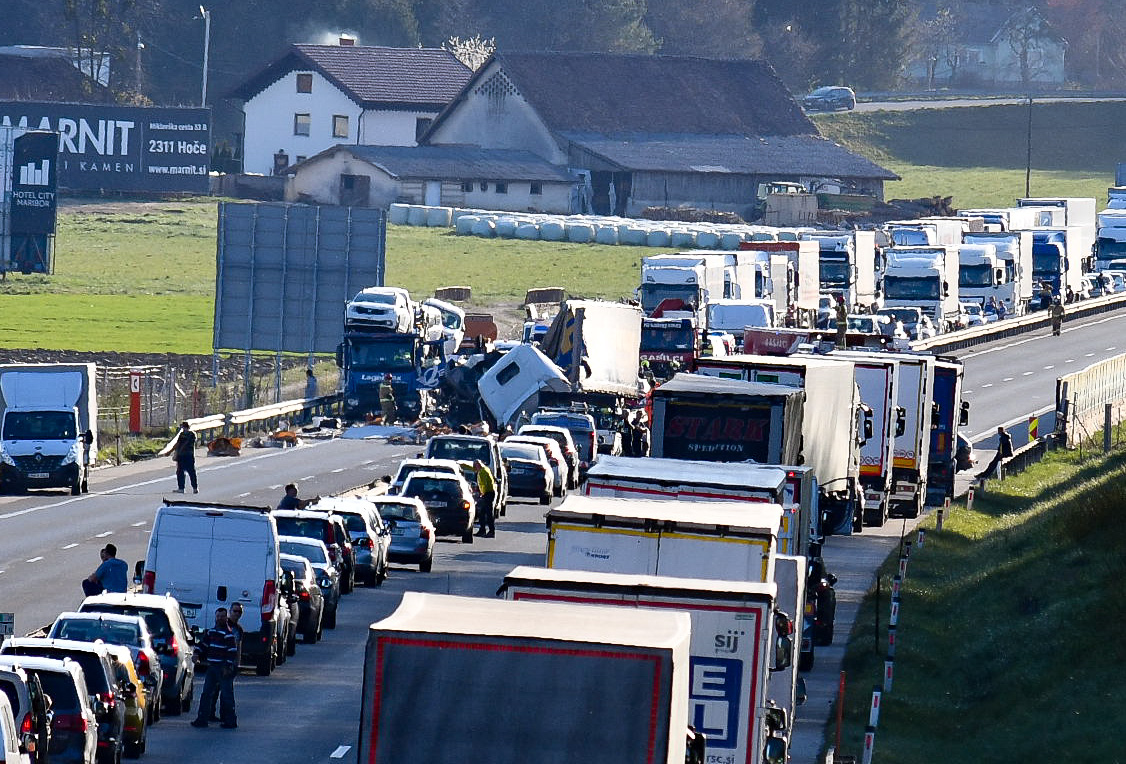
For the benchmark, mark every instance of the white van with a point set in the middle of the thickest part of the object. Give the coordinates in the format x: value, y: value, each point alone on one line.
x: 9, y: 735
x: 209, y: 556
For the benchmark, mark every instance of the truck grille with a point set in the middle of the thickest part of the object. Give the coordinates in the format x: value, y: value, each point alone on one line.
x: 38, y: 463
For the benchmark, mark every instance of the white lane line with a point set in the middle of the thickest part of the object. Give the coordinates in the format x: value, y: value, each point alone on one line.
x: 307, y: 477
x: 1007, y: 379
x: 1070, y: 360
x: 1028, y: 374
x: 244, y: 495
x: 338, y: 469
x: 35, y: 559
x: 1049, y: 367
x: 275, y: 487
x: 366, y: 462
x: 1111, y: 348
x: 987, y: 384
x: 103, y: 534
x: 70, y: 546
x: 137, y: 524
x: 1088, y: 355
x: 143, y: 484
x: 340, y: 751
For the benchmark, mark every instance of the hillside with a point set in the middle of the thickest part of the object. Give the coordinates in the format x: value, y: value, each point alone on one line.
x: 979, y: 155
x: 1007, y: 645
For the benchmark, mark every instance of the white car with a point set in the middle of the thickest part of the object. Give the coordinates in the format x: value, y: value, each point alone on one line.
x: 973, y: 315
x: 387, y: 309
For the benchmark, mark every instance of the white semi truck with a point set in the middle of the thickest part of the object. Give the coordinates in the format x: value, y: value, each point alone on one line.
x: 924, y: 277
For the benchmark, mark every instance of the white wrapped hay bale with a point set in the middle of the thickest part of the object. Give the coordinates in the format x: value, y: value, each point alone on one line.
x: 529, y: 231
x: 552, y: 230
x: 463, y: 226
x: 485, y: 227
x: 606, y: 234
x: 398, y: 214
x: 416, y: 215
x: 439, y: 217
x: 580, y: 232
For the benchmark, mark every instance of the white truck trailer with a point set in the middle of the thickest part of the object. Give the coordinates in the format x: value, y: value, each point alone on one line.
x: 912, y: 449
x: 847, y: 265
x: 450, y: 680
x: 1014, y: 254
x: 48, y: 425
x: 924, y: 277
x: 664, y: 538
x: 734, y: 652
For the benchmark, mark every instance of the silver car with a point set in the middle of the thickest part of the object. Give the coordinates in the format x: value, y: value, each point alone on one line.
x: 370, y: 539
x: 412, y: 532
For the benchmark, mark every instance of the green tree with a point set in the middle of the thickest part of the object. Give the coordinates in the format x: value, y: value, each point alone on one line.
x: 605, y: 25
x: 720, y: 28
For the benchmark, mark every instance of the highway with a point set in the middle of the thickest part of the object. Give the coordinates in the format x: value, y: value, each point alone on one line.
x: 308, y: 710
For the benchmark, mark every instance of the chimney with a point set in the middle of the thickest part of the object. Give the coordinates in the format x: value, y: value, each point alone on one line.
x: 346, y: 40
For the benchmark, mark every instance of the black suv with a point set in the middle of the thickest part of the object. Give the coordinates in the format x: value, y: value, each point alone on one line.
x: 467, y: 448
x: 101, y: 682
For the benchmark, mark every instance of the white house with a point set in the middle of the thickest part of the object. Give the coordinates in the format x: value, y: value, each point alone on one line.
x: 318, y: 96
x: 439, y: 176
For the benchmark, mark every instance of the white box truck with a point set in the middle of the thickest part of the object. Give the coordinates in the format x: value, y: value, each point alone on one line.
x: 453, y: 680
x: 733, y: 655
x: 1014, y: 254
x: 924, y: 277
x: 48, y: 425
x: 911, y: 453
x: 664, y: 538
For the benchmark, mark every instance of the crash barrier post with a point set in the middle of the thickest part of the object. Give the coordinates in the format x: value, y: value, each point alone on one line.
x: 874, y: 708
x: 896, y: 586
x: 920, y: 537
x: 891, y: 641
x: 893, y: 615
x: 869, y: 744
x: 889, y: 672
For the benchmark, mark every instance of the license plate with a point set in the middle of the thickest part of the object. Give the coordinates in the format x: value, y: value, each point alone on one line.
x: 191, y: 612
x: 38, y: 475
x: 438, y: 504
x: 398, y: 531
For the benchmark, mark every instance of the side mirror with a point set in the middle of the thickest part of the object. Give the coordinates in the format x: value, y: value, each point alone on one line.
x: 774, y: 750
x: 869, y: 430
x: 801, y: 691
x: 340, y: 355
x: 900, y: 421
x: 964, y: 414
x: 945, y: 289
x: 139, y: 572
x: 783, y: 642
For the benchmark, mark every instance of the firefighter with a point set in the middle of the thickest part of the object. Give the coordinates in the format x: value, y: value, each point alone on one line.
x: 387, y: 401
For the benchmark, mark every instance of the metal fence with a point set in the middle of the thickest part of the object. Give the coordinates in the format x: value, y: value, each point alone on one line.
x: 1088, y: 398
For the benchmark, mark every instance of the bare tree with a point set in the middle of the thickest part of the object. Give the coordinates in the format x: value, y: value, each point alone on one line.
x: 1026, y: 32
x: 472, y: 51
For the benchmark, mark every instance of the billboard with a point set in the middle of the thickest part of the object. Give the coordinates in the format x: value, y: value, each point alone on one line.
x: 285, y: 272
x: 34, y: 163
x: 122, y: 148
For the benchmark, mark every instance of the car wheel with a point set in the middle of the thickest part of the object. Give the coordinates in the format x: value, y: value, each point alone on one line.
x: 282, y: 655
x: 267, y: 662
x: 467, y: 537
x: 76, y: 488
x: 545, y: 499
x: 174, y: 705
x: 310, y: 637
x: 156, y: 714
x: 330, y: 619
x: 805, y: 661
x: 291, y: 644
x: 426, y: 565
x: 187, y: 704
x: 348, y: 582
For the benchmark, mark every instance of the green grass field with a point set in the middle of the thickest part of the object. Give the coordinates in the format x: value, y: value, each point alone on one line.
x: 1007, y: 643
x: 140, y: 278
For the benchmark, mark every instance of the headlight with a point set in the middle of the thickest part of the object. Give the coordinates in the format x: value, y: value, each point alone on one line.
x: 325, y: 582
x: 71, y: 456
x: 6, y: 458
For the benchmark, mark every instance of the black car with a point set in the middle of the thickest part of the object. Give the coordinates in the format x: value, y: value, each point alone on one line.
x: 326, y: 572
x: 298, y: 571
x: 830, y: 98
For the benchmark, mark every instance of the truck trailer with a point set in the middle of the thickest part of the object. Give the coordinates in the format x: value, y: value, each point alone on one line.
x: 48, y: 425
x: 450, y: 680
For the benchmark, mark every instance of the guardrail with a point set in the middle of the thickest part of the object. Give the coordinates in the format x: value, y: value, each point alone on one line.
x: 239, y: 423
x: 1010, y: 327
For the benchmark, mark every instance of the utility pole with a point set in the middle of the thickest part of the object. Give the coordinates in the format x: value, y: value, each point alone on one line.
x: 206, y: 15
x: 140, y: 47
x: 1028, y: 163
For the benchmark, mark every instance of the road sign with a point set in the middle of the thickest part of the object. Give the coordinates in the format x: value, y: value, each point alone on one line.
x: 7, y: 624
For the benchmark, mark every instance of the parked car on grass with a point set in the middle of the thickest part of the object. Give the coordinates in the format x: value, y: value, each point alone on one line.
x: 830, y: 98
x: 412, y: 532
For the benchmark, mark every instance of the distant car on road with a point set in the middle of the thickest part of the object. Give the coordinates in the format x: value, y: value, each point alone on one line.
x: 830, y: 98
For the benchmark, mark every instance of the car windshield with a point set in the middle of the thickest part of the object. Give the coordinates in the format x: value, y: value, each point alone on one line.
x: 39, y: 425
x: 310, y: 528
x: 667, y: 339
x: 398, y: 512
x: 156, y: 620
x: 406, y: 469
x: 91, y: 629
x: 519, y: 451
x: 558, y: 437
x: 904, y: 315
x: 430, y: 487
x: 465, y: 450
x: 382, y: 298
x: 91, y: 663
x: 60, y: 687
x: 355, y: 523
x: 311, y: 552
x: 385, y: 355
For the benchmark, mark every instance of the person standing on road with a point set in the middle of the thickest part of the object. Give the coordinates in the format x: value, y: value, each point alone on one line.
x: 233, y: 618
x: 111, y: 576
x: 1057, y: 317
x: 183, y: 453
x: 487, y: 494
x: 842, y: 321
x: 219, y: 646
x: 387, y: 401
x: 310, y: 383
x: 1004, y: 451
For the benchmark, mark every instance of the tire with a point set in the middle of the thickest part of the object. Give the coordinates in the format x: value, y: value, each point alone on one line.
x: 268, y: 661
x: 426, y: 565
x: 805, y: 661
x: 545, y: 499
x: 76, y: 488
x: 85, y: 485
x: 467, y: 537
x: 282, y: 654
x: 309, y: 637
x: 348, y: 582
x: 135, y: 750
x: 187, y: 704
x: 174, y: 707
x: 912, y: 510
x: 291, y: 645
x: 330, y: 619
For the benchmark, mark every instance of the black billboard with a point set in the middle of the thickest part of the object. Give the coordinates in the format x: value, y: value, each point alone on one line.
x: 122, y: 148
x: 34, y: 164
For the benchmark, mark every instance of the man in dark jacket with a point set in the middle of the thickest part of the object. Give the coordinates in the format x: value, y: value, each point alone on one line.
x: 184, y: 454
x: 1004, y: 451
x: 219, y: 646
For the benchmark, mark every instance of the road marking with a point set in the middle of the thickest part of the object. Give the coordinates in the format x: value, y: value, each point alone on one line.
x: 338, y: 469
x: 34, y: 559
x: 307, y: 477
x: 1112, y: 347
x: 340, y: 751
x: 367, y: 462
x: 987, y: 384
x: 244, y: 495
x: 137, y: 525
x: 1007, y: 379
x: 1049, y: 367
x: 103, y: 534
x: 1088, y: 355
x: 1028, y: 373
x: 275, y: 487
x: 1070, y: 360
x: 70, y: 546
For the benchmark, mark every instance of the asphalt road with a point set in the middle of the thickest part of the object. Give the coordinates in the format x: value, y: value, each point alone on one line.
x: 956, y: 103
x: 308, y: 710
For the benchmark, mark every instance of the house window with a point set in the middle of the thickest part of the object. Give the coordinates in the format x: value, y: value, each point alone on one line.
x: 536, y: 189
x: 467, y: 186
x: 484, y: 186
x: 301, y: 158
x: 339, y: 126
x: 501, y: 187
x: 301, y: 124
x: 508, y: 373
x: 421, y: 125
x: 304, y: 83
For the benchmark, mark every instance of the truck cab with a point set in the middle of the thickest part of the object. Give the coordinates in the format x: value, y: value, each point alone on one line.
x: 415, y: 366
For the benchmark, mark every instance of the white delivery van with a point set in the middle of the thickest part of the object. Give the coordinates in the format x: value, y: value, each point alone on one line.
x: 209, y: 556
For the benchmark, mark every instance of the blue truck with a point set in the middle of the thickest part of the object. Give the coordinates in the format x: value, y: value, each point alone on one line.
x: 416, y: 367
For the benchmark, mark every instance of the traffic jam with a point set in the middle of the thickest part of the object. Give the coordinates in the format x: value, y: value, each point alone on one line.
x: 694, y: 450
